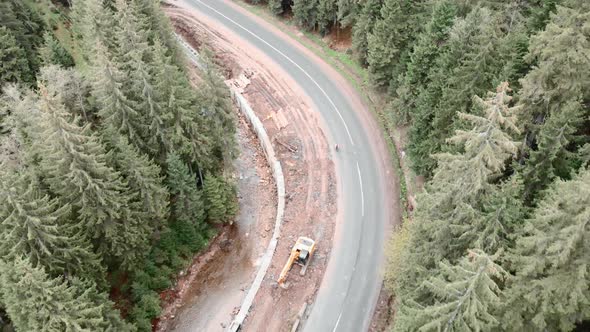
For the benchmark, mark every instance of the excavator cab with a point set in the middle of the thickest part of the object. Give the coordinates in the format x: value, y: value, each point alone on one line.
x: 301, y: 255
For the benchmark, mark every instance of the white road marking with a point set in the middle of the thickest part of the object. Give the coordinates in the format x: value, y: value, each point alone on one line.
x: 358, y: 169
x: 289, y: 59
x: 337, y: 322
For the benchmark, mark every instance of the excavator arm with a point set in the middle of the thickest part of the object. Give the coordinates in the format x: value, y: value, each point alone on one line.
x: 288, y: 265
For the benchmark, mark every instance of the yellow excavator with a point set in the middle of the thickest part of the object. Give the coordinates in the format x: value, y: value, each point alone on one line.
x: 301, y: 255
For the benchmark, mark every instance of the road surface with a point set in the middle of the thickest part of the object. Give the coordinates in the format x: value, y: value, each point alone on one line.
x: 351, y: 284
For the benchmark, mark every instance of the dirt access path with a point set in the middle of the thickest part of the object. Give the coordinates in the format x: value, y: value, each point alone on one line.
x: 302, y: 148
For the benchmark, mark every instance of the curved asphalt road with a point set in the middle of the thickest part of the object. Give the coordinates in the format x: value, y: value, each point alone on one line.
x: 351, y: 283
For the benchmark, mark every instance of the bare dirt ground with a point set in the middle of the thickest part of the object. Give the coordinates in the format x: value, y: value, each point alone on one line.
x: 219, y: 285
x: 302, y: 148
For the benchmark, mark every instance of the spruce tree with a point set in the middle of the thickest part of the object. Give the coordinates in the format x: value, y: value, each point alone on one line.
x: 115, y: 109
x: 187, y: 203
x: 555, y: 95
x: 467, y: 297
x: 54, y: 53
x: 14, y: 63
x: 143, y: 178
x: 181, y: 112
x: 348, y: 11
x: 36, y: 302
x: 134, y: 55
x: 219, y: 198
x: 72, y: 89
x: 370, y: 12
x: 391, y: 40
x: 552, y: 159
x: 422, y: 59
x: 218, y: 112
x: 37, y: 227
x: 305, y: 13
x: 552, y: 256
x: 275, y: 6
x: 74, y: 165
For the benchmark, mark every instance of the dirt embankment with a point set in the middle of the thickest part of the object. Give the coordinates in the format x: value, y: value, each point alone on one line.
x: 302, y: 148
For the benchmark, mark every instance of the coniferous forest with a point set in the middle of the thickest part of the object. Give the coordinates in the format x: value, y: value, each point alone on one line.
x: 113, y: 165
x: 496, y: 99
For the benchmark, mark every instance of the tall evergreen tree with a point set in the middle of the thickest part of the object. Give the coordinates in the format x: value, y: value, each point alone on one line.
x: 74, y: 164
x: 181, y: 113
x: 72, y: 89
x: 467, y: 298
x: 187, y: 203
x: 37, y: 227
x: 422, y: 59
x: 14, y: 63
x: 555, y: 95
x: 53, y: 52
x: 552, y: 259
x: 36, y: 302
x: 390, y: 42
x: 370, y: 12
x: 143, y: 178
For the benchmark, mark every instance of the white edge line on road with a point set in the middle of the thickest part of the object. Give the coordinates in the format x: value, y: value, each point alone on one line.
x: 289, y: 59
x: 358, y: 169
x: 337, y: 322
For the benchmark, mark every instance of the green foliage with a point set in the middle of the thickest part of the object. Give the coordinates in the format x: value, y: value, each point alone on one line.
x: 187, y: 204
x: 550, y: 291
x: 36, y: 302
x: 14, y: 63
x: 39, y: 228
x: 363, y: 27
x: 467, y: 298
x: 53, y: 52
x: 390, y: 42
x: 220, y: 199
x: 26, y: 28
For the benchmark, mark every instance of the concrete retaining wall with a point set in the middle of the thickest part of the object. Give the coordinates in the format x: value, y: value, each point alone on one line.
x: 277, y: 172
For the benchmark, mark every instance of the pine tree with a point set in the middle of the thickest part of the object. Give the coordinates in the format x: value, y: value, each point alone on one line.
x: 348, y: 11
x: 36, y: 302
x: 305, y: 13
x: 74, y: 165
x: 181, y: 112
x: 27, y: 29
x: 37, y: 227
x: 114, y: 107
x: 142, y: 177
x: 275, y: 6
x: 187, y: 204
x: 391, y: 40
x: 326, y: 15
x: 53, y: 52
x: 14, y: 63
x: 218, y: 111
x: 422, y: 59
x: 72, y: 89
x: 363, y: 27
x: 552, y: 158
x: 551, y: 289
x: 555, y: 95
x: 467, y: 297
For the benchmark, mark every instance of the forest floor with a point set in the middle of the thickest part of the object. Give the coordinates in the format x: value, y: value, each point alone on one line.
x: 302, y: 148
